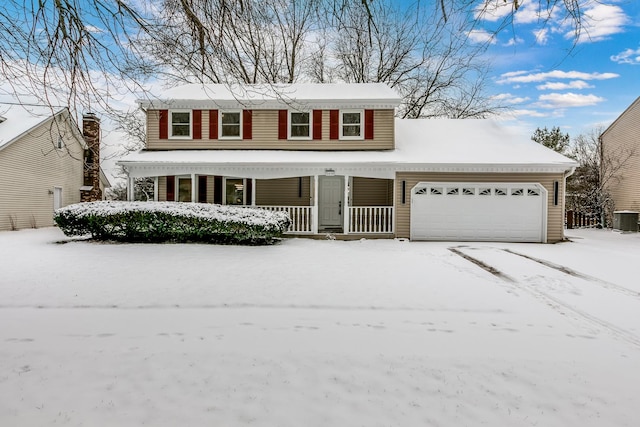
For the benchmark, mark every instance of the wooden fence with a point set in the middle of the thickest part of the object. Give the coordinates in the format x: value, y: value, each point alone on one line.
x: 574, y: 219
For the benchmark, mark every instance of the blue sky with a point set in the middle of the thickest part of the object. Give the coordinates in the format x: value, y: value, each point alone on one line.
x: 550, y: 78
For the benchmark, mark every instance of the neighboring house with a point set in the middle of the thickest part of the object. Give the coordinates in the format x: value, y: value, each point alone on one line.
x: 45, y: 163
x: 337, y: 160
x: 621, y: 144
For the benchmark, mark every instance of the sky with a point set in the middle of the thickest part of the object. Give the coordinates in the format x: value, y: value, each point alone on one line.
x: 548, y: 77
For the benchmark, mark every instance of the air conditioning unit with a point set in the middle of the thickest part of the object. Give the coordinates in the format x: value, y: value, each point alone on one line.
x: 625, y: 221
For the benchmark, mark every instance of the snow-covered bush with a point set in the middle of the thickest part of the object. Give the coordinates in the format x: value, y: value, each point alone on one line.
x: 171, y: 221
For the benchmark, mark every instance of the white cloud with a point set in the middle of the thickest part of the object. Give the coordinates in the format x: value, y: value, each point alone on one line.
x: 481, y: 36
x: 493, y: 10
x: 563, y: 100
x: 524, y: 77
x: 599, y: 21
x: 527, y: 113
x: 628, y: 56
x: 508, y: 98
x: 542, y: 36
x: 576, y: 84
x: 514, y: 41
x: 527, y: 12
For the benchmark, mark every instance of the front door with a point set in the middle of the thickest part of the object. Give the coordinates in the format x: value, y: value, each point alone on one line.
x: 330, y: 203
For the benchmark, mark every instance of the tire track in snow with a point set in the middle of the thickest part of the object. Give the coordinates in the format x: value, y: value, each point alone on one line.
x: 574, y: 273
x: 555, y: 303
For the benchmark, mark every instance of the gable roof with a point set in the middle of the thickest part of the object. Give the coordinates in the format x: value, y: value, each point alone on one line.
x: 274, y: 96
x: 20, y: 119
x: 435, y: 145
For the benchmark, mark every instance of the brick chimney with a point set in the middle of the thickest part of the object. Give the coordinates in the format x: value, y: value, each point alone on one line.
x: 91, y: 132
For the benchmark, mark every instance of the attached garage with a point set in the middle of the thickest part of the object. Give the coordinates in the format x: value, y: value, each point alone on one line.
x: 479, y: 211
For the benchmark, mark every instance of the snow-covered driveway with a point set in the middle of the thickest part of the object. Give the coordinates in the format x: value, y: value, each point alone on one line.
x: 319, y: 333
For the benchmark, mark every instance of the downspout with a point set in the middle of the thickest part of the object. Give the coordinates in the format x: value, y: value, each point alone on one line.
x: 564, y: 194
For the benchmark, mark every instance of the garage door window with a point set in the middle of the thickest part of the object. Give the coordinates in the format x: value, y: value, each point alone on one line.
x: 533, y: 192
x: 469, y: 191
x: 485, y: 191
x: 452, y: 191
x: 517, y: 192
x: 436, y: 191
x: 422, y: 190
x: 501, y: 192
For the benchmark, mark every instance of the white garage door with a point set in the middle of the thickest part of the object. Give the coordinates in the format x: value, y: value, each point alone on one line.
x: 513, y: 212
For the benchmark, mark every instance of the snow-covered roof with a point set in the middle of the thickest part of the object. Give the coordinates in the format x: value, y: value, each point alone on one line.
x: 20, y: 119
x: 299, y: 95
x: 421, y: 145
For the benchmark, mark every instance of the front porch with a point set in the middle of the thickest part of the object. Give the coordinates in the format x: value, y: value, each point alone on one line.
x: 340, y: 205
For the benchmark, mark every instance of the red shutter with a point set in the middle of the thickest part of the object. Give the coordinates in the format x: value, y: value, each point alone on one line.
x: 368, y: 124
x: 282, y: 124
x: 247, y: 124
x: 334, y: 124
x: 171, y: 189
x: 317, y: 124
x: 197, y: 124
x: 213, y: 124
x: 164, y: 124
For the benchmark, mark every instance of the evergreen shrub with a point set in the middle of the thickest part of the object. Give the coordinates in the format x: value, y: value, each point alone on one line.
x: 154, y: 222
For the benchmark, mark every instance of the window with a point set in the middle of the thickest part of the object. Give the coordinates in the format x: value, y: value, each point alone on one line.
x: 533, y: 192
x: 234, y: 191
x: 180, y: 124
x: 436, y: 191
x: 469, y: 191
x: 485, y: 192
x: 351, y: 126
x: 517, y: 191
x: 452, y: 191
x: 500, y: 191
x: 184, y: 189
x: 299, y: 125
x: 230, y: 124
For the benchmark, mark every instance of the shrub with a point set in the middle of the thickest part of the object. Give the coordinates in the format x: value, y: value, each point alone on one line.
x: 171, y: 221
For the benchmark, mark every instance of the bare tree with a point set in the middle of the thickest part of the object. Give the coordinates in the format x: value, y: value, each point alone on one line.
x: 598, y: 170
x: 427, y: 60
x: 84, y: 51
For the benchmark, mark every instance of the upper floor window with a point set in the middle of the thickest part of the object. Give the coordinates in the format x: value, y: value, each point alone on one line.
x: 351, y: 124
x: 231, y: 124
x: 299, y: 125
x: 180, y: 124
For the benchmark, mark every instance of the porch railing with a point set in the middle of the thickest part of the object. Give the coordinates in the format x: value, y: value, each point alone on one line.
x: 371, y: 219
x: 300, y: 217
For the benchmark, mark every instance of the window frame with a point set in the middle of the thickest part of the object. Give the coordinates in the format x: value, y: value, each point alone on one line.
x: 341, y: 125
x: 170, y: 124
x: 290, y: 124
x: 221, y: 113
x: 224, y: 190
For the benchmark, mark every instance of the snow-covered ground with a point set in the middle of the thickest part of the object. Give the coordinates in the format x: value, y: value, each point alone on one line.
x: 319, y: 333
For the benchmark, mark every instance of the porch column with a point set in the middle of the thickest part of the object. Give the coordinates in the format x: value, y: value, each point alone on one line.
x: 253, y: 191
x: 345, y: 207
x: 314, y: 214
x: 193, y: 188
x: 155, y: 189
x: 130, y: 191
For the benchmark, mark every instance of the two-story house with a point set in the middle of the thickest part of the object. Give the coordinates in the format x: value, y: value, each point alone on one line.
x: 338, y: 161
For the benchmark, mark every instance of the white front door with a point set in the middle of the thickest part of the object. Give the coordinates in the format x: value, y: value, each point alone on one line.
x: 57, y: 198
x: 330, y: 203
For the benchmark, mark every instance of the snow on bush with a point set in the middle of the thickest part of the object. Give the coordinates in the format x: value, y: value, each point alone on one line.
x: 171, y: 221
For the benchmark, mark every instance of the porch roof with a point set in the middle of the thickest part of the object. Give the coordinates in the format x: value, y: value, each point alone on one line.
x: 421, y: 146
